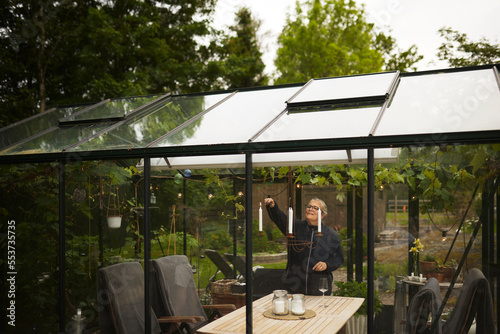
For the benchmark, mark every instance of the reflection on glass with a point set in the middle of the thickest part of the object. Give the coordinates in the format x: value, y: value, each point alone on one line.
x: 322, y: 125
x: 236, y: 120
x: 444, y: 102
x: 114, y: 108
x: 346, y: 87
x: 140, y: 131
x: 34, y: 125
x: 56, y: 140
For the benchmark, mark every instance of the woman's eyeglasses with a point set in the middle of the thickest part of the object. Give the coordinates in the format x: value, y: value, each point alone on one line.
x: 312, y: 207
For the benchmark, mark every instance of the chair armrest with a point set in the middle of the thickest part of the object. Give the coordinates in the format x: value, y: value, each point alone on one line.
x: 231, y: 307
x: 192, y: 319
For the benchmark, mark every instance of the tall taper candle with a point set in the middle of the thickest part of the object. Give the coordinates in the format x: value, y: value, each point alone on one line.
x: 319, y: 220
x: 260, y: 217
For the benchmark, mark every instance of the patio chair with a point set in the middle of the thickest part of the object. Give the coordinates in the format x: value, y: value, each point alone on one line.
x: 266, y: 281
x: 239, y: 264
x: 176, y: 295
x: 221, y: 264
x: 426, y: 301
x: 120, y: 296
x: 475, y: 300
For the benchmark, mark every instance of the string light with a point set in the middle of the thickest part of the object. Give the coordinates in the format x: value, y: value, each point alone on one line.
x: 443, y: 238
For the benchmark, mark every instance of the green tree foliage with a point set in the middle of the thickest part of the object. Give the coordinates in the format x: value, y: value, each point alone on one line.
x: 458, y: 50
x: 241, y: 58
x: 331, y: 38
x: 326, y: 38
x: 69, y: 52
x: 400, y: 60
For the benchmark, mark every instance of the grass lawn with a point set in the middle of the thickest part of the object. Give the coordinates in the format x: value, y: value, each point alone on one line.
x: 206, y: 269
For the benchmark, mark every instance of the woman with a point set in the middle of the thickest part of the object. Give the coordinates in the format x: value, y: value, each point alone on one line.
x: 309, y: 256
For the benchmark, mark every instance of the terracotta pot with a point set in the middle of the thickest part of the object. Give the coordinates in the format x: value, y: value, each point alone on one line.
x: 436, y: 275
x: 426, y: 267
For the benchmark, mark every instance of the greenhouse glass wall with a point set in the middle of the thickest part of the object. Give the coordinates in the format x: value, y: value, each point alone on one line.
x: 407, y: 164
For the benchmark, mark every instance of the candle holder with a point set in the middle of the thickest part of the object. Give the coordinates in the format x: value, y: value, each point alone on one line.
x: 299, y: 245
x: 280, y: 302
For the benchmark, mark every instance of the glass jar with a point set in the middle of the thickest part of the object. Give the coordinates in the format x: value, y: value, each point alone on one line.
x: 280, y: 302
x: 298, y: 304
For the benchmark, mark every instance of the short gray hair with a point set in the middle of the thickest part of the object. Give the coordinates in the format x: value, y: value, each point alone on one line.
x: 322, y: 204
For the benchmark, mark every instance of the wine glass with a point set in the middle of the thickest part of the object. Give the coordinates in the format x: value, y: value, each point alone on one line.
x: 323, y: 287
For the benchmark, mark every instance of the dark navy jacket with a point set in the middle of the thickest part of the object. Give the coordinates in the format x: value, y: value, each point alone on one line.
x: 299, y: 276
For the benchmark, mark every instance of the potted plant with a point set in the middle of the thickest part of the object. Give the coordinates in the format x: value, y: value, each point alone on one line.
x: 426, y: 264
x: 436, y: 271
x: 357, y: 324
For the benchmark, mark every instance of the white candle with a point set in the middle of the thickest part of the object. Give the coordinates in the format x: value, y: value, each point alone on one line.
x: 290, y: 220
x: 319, y: 220
x: 260, y: 218
x: 279, y: 307
x: 297, y: 307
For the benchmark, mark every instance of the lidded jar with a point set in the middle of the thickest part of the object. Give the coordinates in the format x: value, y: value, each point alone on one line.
x: 280, y: 302
x: 298, y: 304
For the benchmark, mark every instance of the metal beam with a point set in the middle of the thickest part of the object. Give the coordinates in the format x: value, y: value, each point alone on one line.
x: 147, y: 247
x: 371, y: 238
x: 61, y: 300
x: 432, y: 139
x: 248, y: 241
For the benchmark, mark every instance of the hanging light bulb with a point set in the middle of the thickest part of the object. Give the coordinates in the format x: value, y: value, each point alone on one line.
x: 240, y: 193
x: 152, y: 198
x: 179, y: 194
x: 443, y: 238
x: 210, y: 196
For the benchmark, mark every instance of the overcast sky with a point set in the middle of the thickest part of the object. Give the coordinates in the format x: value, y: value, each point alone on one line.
x: 410, y: 22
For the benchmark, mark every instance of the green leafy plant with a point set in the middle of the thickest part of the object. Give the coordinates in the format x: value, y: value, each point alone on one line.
x: 360, y: 290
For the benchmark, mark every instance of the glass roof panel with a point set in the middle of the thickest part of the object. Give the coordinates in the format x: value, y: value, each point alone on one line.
x: 28, y: 127
x: 114, y: 108
x: 346, y: 87
x: 443, y: 102
x: 56, y: 140
x: 140, y: 131
x: 234, y: 121
x: 322, y: 125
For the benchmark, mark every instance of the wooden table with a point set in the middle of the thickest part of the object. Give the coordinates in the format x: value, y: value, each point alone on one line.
x: 327, y: 320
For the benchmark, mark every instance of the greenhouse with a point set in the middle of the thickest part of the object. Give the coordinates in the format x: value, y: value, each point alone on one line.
x: 407, y: 163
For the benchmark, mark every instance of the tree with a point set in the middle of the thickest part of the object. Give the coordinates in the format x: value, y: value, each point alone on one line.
x: 402, y: 60
x: 329, y: 39
x: 241, y: 59
x: 71, y: 52
x: 459, y: 51
x: 333, y: 38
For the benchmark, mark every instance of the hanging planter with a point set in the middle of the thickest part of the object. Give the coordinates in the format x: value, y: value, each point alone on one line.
x: 114, y: 221
x: 113, y: 213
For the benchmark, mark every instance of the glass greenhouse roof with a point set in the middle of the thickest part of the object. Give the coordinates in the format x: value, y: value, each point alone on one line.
x: 351, y: 112
x: 109, y: 109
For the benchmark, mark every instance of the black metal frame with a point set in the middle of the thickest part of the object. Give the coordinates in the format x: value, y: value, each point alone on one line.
x: 369, y: 143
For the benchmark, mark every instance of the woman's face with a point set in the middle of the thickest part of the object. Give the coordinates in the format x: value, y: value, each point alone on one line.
x: 312, y: 212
